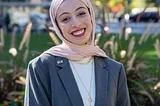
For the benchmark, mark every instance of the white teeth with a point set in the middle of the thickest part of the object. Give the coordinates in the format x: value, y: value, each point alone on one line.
x: 79, y: 32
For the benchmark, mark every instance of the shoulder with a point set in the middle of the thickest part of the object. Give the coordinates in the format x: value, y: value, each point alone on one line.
x: 111, y: 63
x: 115, y: 68
x: 42, y: 61
x: 112, y: 66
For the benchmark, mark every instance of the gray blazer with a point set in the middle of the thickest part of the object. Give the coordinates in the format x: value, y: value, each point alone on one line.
x: 50, y: 83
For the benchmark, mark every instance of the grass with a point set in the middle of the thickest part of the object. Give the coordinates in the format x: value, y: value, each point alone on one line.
x: 147, y: 49
x: 38, y: 42
x: 42, y: 42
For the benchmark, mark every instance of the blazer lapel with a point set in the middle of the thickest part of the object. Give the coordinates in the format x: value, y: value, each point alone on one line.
x: 101, y: 82
x: 68, y: 80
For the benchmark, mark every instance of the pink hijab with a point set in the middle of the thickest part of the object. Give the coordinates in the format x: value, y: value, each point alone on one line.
x: 68, y: 49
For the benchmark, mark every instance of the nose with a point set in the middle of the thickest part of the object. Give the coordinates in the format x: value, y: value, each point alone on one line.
x: 76, y: 22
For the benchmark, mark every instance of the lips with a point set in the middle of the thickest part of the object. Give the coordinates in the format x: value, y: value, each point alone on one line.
x: 78, y: 33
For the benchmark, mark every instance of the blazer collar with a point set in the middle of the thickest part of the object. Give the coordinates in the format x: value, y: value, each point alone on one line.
x: 68, y: 80
x: 101, y: 81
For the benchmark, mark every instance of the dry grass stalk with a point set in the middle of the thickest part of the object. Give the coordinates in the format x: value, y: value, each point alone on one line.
x: 131, y: 46
x: 157, y: 30
x: 112, y: 47
x: 121, y: 29
x: 144, y: 92
x: 11, y: 96
x: 157, y: 47
x: 22, y: 73
x: 54, y: 38
x: 34, y: 52
x: 131, y: 61
x: 1, y: 83
x: 157, y: 86
x: 2, y: 36
x: 6, y: 63
x: 21, y: 80
x: 106, y: 44
x: 97, y: 38
x: 127, y: 33
x: 144, y: 34
x: 147, y: 36
x: 115, y: 47
x: 51, y: 28
x: 141, y: 65
x: 157, y: 33
x: 25, y: 55
x: 149, y: 33
x: 26, y: 36
x: 13, y: 39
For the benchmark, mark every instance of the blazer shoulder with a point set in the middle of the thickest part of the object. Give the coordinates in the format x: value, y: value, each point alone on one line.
x: 42, y: 61
x: 113, y: 63
x: 114, y: 68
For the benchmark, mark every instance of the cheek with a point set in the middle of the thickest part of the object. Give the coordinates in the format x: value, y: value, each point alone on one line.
x: 64, y: 28
x: 87, y: 21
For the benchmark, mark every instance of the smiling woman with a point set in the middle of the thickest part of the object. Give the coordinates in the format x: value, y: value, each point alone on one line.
x: 75, y: 73
x: 74, y: 22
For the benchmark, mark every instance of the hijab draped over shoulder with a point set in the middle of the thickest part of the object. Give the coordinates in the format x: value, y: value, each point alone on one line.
x: 68, y: 49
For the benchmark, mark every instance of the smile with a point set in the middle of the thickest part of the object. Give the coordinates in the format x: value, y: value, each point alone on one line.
x: 78, y: 33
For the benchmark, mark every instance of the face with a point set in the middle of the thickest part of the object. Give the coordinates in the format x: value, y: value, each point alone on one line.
x: 74, y: 21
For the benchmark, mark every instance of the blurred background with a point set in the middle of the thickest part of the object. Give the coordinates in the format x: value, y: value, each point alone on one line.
x: 127, y: 30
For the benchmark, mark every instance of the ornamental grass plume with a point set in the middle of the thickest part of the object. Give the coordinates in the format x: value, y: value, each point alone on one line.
x: 116, y: 47
x: 1, y: 47
x: 53, y: 36
x: 122, y: 53
x: 144, y: 34
x: 131, y: 61
x: 141, y: 65
x: 13, y: 39
x: 131, y: 46
x: 157, y: 47
x: 121, y: 29
x: 106, y: 29
x: 26, y: 36
x: 1, y: 36
x: 106, y: 44
x: 22, y: 80
x: 112, y: 47
x: 97, y: 38
x: 157, y: 86
x: 128, y: 31
x: 13, y: 51
x: 26, y: 55
x: 1, y: 40
x: 156, y: 34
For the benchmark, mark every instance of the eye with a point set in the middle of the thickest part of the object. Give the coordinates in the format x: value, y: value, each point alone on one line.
x: 65, y: 19
x: 81, y: 13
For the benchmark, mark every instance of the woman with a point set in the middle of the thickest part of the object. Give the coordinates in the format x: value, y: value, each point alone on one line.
x: 75, y: 73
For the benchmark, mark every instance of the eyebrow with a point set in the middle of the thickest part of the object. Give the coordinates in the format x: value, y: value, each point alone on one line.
x: 80, y: 8
x: 76, y: 10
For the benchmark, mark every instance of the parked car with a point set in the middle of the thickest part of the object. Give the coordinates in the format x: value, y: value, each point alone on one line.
x: 38, y: 21
x: 21, y: 19
x: 144, y: 17
x: 18, y: 20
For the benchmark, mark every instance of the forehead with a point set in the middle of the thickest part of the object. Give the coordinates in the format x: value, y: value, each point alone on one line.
x: 70, y: 5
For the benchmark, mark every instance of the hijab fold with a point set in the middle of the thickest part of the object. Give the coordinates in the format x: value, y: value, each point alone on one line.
x: 67, y: 49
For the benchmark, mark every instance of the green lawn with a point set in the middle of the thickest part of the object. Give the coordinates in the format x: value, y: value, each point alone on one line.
x: 38, y: 42
x: 41, y: 42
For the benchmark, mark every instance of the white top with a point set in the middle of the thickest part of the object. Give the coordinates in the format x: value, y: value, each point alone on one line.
x: 84, y: 71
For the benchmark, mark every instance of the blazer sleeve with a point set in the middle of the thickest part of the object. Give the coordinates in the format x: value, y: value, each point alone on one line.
x: 122, y: 94
x: 37, y: 90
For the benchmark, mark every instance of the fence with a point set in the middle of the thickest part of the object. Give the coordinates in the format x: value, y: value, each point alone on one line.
x: 137, y: 28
